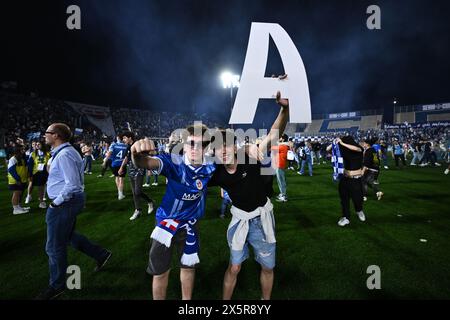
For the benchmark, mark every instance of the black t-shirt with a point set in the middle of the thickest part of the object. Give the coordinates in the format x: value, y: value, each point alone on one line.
x: 371, y: 159
x: 246, y: 187
x: 418, y: 147
x: 316, y: 146
x: 353, y: 160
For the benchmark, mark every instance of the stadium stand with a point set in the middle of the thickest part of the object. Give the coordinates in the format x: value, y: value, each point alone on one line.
x: 314, y: 126
x: 333, y: 123
x: 422, y: 113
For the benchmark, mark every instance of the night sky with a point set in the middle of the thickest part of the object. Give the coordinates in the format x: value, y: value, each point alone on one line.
x: 168, y: 55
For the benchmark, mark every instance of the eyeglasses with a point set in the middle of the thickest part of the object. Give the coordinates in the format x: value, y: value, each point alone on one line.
x: 198, y: 145
x: 49, y: 132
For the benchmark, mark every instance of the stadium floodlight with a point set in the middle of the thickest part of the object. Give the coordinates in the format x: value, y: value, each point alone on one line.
x: 394, y: 102
x: 230, y: 80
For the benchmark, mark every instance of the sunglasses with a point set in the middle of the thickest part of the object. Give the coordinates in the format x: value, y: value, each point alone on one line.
x: 198, y: 145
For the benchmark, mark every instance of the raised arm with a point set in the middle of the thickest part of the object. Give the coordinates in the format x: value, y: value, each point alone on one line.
x: 279, y: 124
x: 349, y: 146
x: 140, y: 155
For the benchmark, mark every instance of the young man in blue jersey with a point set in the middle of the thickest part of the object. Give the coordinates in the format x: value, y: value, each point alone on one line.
x: 182, y: 206
x: 117, y: 152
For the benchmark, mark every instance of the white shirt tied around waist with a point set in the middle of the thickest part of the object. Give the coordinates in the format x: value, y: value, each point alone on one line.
x: 242, y: 218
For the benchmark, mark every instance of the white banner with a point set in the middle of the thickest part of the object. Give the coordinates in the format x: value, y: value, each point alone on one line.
x: 98, y: 116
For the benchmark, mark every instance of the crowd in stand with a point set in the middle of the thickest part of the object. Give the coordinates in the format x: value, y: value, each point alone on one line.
x: 22, y: 115
x: 157, y: 124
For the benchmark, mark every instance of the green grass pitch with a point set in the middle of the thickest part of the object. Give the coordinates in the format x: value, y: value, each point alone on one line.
x: 316, y: 259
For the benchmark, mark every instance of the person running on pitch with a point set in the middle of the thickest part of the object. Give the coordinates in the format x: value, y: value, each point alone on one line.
x: 117, y: 152
x: 136, y: 178
x: 371, y: 169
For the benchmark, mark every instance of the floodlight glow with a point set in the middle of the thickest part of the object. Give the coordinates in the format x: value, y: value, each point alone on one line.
x: 229, y: 80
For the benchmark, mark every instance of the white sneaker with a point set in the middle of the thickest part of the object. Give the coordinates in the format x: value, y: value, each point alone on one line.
x: 386, y: 167
x: 146, y: 185
x: 343, y: 222
x: 42, y: 205
x: 413, y: 164
x: 154, y: 183
x: 364, y: 198
x: 379, y: 195
x: 437, y: 164
x: 446, y: 171
x: 150, y: 207
x: 121, y: 196
x: 281, y: 199
x: 26, y: 208
x: 361, y: 216
x: 28, y: 199
x: 19, y: 210
x: 135, y: 215
x: 99, y: 176
x: 111, y: 176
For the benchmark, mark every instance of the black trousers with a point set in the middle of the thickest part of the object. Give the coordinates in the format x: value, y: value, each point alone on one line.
x: 350, y: 189
x: 398, y: 157
x: 370, y: 180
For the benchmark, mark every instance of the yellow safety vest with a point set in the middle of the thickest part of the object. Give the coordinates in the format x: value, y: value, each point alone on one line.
x: 39, y: 160
x: 22, y: 171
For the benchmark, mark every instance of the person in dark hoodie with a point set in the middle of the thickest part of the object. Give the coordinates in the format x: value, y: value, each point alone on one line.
x: 350, y: 185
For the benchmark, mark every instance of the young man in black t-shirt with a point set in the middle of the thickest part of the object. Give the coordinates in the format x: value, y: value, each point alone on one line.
x: 253, y: 221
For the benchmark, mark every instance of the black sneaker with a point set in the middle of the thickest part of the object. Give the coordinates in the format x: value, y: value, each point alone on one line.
x: 50, y: 293
x: 101, y: 263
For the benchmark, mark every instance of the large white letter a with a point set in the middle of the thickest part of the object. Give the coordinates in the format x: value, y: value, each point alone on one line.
x: 255, y: 86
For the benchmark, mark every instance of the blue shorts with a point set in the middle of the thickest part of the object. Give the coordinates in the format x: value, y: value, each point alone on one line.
x: 264, y: 252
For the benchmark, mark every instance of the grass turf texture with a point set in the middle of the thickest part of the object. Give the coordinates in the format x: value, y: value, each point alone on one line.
x: 316, y: 259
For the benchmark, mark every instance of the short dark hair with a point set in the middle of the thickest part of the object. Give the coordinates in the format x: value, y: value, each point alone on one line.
x: 195, y: 130
x: 227, y: 135
x: 128, y: 134
x: 63, y: 131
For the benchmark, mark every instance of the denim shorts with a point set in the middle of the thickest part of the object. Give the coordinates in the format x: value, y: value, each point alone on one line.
x: 264, y: 252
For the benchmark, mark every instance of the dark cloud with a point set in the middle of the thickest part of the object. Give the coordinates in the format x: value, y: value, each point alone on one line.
x: 167, y: 55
